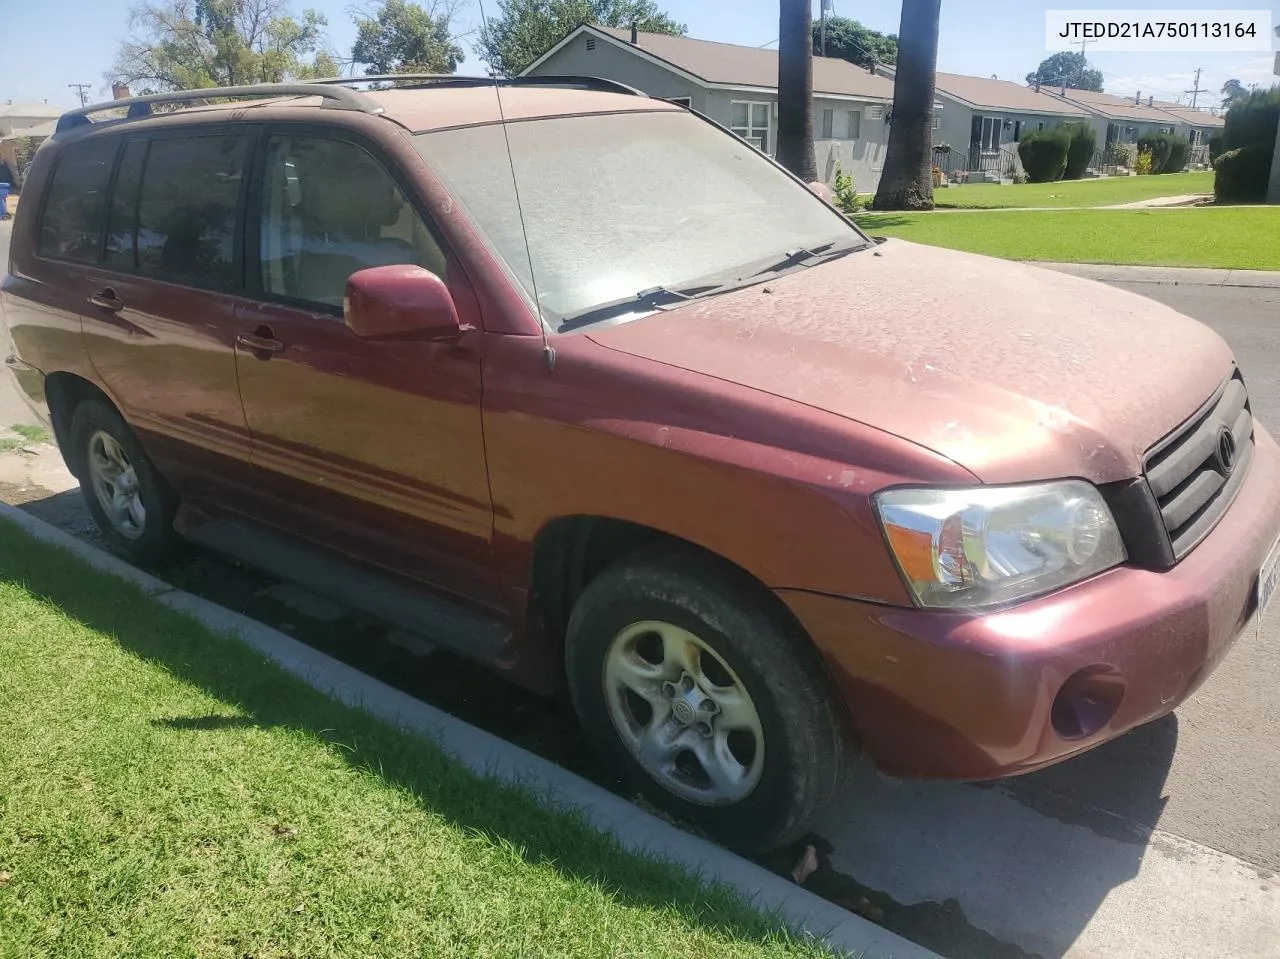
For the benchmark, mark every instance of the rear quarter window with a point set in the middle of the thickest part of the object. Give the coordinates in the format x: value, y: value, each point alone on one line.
x: 75, y: 204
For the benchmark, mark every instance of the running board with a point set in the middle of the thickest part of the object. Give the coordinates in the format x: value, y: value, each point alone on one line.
x: 441, y: 621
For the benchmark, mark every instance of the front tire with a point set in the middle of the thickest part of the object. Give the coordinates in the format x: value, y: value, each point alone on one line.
x: 702, y: 695
x: 128, y: 500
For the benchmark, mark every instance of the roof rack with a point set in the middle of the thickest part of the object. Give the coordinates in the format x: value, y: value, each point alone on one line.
x: 454, y: 79
x: 337, y: 97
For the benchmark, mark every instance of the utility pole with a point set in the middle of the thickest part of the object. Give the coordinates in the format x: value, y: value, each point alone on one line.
x: 80, y: 88
x: 1195, y: 94
x: 1083, y: 64
x: 823, y: 8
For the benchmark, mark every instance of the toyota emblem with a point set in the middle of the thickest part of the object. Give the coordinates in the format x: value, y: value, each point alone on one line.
x: 1226, y: 452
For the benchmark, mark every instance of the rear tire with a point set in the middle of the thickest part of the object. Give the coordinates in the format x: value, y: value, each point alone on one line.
x: 127, y: 498
x: 702, y: 695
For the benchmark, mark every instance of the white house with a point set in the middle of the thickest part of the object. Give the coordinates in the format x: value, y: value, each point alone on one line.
x: 738, y: 88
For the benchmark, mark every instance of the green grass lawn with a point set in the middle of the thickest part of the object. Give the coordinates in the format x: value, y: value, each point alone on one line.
x: 1073, y: 193
x: 26, y: 434
x: 1235, y: 238
x: 167, y: 792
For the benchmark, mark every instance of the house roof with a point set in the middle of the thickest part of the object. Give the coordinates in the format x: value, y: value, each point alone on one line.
x: 729, y: 65
x: 39, y: 130
x: 1003, y: 95
x: 1113, y: 107
x: 1194, y: 118
x: 29, y: 110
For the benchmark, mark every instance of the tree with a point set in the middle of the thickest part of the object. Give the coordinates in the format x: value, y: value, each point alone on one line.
x: 907, y: 180
x: 1232, y: 91
x: 795, y: 89
x: 1070, y: 70
x: 398, y: 36
x: 526, y: 29
x: 186, y: 44
x: 850, y: 40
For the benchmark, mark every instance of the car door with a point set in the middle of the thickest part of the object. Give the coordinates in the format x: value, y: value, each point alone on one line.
x: 160, y: 327
x: 372, y: 447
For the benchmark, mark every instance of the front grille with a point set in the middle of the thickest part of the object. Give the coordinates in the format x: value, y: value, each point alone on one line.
x: 1196, y: 471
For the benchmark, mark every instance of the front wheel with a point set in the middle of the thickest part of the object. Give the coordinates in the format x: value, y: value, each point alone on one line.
x: 700, y: 694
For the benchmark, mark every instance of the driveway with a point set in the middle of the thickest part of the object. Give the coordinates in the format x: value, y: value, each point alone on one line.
x: 1164, y: 843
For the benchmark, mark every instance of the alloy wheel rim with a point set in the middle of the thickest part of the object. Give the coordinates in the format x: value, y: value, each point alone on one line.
x: 115, y: 484
x: 683, y: 714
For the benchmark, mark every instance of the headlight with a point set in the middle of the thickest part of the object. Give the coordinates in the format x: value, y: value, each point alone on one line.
x: 992, y: 545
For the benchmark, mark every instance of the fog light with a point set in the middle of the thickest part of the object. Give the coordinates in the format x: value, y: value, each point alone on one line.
x: 1087, y: 701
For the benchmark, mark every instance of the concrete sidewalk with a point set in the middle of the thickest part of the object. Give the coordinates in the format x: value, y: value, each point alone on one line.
x: 1169, y: 275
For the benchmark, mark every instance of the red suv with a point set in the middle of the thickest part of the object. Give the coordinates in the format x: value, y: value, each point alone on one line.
x: 575, y: 381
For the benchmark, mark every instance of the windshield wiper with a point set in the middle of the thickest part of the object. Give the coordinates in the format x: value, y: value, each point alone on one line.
x: 803, y: 257
x: 666, y: 298
x: 653, y: 298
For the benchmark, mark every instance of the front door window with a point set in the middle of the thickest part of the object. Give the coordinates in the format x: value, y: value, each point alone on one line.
x: 991, y: 134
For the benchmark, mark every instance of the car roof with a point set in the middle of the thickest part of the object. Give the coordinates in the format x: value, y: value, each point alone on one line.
x: 419, y: 109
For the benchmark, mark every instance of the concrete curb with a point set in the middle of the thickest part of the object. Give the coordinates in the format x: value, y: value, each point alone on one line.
x: 1169, y: 276
x: 487, y: 755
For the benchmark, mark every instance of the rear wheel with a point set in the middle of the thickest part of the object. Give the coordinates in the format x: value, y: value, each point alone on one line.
x: 126, y: 496
x: 700, y: 694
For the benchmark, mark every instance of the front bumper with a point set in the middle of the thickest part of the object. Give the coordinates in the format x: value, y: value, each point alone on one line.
x: 963, y: 696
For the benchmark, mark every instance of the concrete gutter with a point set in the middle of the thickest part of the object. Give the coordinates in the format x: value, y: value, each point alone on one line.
x: 636, y: 830
x: 1170, y: 276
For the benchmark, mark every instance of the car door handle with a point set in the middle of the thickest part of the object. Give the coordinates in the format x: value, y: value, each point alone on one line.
x: 107, y: 300
x: 259, y: 344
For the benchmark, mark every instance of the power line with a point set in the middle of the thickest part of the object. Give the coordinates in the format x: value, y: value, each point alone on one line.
x: 80, y: 88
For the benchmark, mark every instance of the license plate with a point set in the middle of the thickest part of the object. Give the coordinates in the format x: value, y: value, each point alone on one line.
x: 1268, y: 579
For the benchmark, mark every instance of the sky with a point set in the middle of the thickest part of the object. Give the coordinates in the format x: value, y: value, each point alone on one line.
x: 47, y: 44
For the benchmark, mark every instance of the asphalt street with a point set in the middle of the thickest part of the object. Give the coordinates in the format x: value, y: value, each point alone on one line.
x: 1150, y: 811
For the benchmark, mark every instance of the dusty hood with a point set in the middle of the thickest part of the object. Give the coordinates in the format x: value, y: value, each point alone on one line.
x: 1014, y: 372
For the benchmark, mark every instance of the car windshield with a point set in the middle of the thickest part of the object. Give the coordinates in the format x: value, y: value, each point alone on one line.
x: 616, y: 205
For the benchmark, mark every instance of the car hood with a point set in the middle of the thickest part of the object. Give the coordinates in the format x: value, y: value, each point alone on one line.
x: 1014, y: 372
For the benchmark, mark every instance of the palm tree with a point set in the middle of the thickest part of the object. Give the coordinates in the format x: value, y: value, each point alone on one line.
x: 907, y: 180
x: 795, y: 89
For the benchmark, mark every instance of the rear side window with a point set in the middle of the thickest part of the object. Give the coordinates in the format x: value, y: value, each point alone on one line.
x: 71, y: 227
x: 186, y: 220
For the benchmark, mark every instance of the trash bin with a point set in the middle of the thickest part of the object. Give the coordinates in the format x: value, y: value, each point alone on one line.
x: 4, y: 200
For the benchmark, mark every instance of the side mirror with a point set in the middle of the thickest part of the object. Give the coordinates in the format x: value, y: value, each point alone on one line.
x: 402, y: 300
x: 821, y: 190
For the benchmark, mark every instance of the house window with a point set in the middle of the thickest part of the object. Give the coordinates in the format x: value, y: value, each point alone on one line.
x: 750, y: 120
x: 877, y: 113
x: 937, y: 124
x: 841, y: 125
x: 1017, y: 131
x: 991, y: 134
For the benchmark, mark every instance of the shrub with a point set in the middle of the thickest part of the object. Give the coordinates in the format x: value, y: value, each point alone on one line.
x: 1159, y: 146
x: 1215, y: 147
x: 1243, y: 174
x: 1082, y: 144
x: 1145, y: 164
x: 844, y: 193
x: 1044, y: 154
x: 1179, y: 154
x: 1122, y: 154
x: 1252, y: 120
